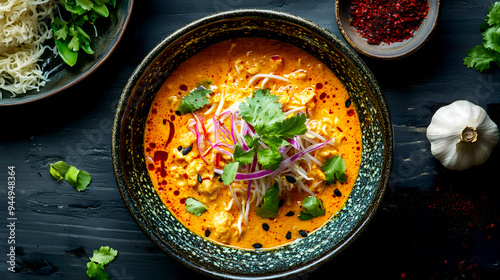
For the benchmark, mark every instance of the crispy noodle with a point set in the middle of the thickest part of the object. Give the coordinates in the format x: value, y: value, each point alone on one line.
x: 23, y: 31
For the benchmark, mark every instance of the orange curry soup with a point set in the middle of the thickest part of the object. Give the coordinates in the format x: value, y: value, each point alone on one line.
x: 233, y: 70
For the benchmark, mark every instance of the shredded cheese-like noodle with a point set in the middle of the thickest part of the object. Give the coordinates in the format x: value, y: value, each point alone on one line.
x: 23, y: 31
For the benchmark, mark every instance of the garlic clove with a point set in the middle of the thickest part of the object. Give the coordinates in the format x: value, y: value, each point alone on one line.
x: 462, y: 135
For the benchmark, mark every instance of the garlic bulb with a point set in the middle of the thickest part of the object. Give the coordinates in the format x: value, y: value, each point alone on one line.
x: 462, y: 135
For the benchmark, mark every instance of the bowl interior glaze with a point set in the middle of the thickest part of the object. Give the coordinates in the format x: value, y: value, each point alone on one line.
x: 222, y: 261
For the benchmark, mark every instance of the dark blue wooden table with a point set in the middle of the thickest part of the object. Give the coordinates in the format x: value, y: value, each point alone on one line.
x: 433, y: 223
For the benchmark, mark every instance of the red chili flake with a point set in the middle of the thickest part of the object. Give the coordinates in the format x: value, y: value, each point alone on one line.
x: 152, y: 145
x: 350, y: 113
x: 319, y: 86
x: 183, y: 88
x: 387, y: 21
x: 183, y: 200
x: 322, y: 96
x: 151, y: 167
x: 176, y: 192
x: 154, y: 111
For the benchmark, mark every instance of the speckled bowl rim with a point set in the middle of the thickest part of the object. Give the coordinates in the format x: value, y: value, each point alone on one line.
x: 292, y: 19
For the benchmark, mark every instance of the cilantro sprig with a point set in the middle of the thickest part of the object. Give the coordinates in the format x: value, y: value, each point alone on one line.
x: 481, y: 56
x: 68, y: 28
x: 100, y: 258
x: 272, y: 127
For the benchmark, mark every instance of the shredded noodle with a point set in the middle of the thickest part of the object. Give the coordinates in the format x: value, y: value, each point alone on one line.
x: 23, y: 31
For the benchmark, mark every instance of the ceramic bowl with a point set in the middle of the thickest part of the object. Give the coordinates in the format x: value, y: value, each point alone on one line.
x: 62, y: 76
x: 222, y: 261
x: 385, y: 51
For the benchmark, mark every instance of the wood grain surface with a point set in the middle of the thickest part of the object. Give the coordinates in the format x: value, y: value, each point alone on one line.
x: 433, y: 223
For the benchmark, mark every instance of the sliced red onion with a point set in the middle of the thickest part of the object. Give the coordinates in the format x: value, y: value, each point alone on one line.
x: 298, y: 155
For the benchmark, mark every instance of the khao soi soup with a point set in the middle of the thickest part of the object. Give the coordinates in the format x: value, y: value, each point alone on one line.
x: 253, y: 143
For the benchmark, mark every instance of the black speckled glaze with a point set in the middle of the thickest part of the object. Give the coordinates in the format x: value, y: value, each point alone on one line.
x: 222, y: 261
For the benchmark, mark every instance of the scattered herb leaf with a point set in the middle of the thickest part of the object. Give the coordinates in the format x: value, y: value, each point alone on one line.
x: 269, y: 207
x: 79, y: 179
x: 313, y: 208
x: 195, y: 207
x: 334, y: 169
x: 95, y: 267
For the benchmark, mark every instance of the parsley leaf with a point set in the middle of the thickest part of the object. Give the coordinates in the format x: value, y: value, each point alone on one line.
x: 313, y: 208
x: 334, y: 169
x: 269, y: 207
x: 195, y: 100
x: 79, y: 179
x: 493, y: 17
x: 95, y: 268
x: 195, y: 207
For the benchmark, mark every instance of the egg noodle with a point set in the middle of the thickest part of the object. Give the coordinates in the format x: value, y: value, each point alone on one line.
x: 23, y: 31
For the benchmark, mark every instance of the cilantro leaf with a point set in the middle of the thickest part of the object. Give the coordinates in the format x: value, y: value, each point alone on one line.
x: 229, y: 173
x: 195, y: 207
x: 334, y: 169
x: 270, y: 159
x: 491, y: 38
x: 58, y: 170
x: 269, y: 207
x: 479, y: 58
x: 245, y: 157
x: 295, y: 125
x: 79, y: 179
x: 262, y: 111
x: 96, y: 271
x: 195, y: 100
x: 252, y: 142
x: 313, y: 208
x: 95, y: 267
x: 85, y: 4
x: 104, y: 256
x: 493, y: 17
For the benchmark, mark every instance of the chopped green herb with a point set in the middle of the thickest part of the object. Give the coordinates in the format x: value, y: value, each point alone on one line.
x: 334, y: 169
x: 313, y: 208
x: 69, y: 36
x: 79, y: 179
x: 195, y: 100
x: 269, y: 207
x: 245, y: 157
x: 195, y: 207
x: 95, y: 267
x: 481, y: 56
